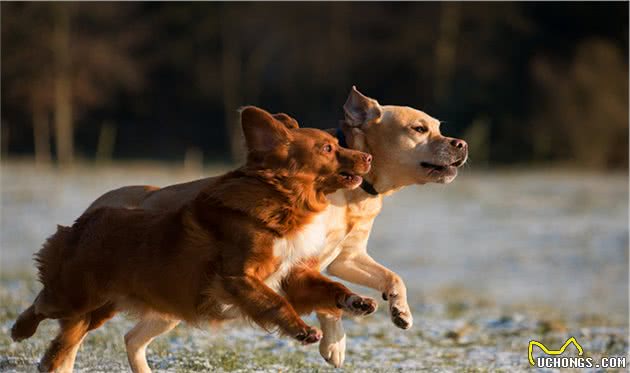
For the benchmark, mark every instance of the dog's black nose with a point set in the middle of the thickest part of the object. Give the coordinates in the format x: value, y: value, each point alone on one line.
x: 459, y: 144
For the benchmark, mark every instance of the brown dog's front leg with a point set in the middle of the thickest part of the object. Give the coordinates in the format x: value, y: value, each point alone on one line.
x: 267, y: 308
x: 308, y: 290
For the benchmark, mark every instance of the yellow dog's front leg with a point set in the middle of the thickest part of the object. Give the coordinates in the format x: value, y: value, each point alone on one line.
x: 361, y: 269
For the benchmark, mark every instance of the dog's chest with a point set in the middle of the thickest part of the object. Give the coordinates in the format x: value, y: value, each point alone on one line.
x: 291, y: 250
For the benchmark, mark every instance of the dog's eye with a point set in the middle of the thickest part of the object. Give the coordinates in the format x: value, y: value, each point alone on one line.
x: 327, y: 148
x: 420, y: 129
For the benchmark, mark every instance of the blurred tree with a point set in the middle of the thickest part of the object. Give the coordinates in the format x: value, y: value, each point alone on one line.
x: 488, y: 64
x: 26, y: 69
x: 231, y: 69
x: 583, y: 113
x: 77, y: 54
x: 60, y: 44
x: 446, y: 47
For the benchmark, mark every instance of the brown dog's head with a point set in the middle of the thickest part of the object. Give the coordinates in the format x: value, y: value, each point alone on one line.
x: 276, y: 142
x: 406, y: 143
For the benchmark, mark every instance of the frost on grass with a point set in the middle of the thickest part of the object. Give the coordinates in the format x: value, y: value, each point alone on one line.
x: 490, y: 261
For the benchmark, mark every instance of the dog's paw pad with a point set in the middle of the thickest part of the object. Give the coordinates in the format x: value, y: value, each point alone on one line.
x: 359, y: 305
x: 401, y: 319
x: 310, y: 335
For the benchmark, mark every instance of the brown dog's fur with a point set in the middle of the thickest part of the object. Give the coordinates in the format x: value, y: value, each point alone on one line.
x: 213, y: 253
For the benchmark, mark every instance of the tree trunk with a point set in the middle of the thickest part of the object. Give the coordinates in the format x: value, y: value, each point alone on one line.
x: 338, y: 34
x: 253, y: 70
x: 41, y: 136
x: 231, y: 71
x: 106, y: 142
x: 63, y: 86
x: 4, y: 139
x: 445, y: 48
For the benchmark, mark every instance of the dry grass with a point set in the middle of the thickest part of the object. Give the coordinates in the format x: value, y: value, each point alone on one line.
x: 491, y: 261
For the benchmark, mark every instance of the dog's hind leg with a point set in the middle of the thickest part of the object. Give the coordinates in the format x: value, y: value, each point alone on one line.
x: 71, y: 333
x: 138, y: 338
x: 97, y: 318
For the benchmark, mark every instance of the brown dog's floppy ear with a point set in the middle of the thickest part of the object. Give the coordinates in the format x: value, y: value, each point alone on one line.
x: 360, y: 110
x: 287, y: 120
x: 262, y: 132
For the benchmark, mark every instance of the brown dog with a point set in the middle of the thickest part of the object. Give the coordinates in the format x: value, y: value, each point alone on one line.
x: 408, y: 148
x: 221, y: 254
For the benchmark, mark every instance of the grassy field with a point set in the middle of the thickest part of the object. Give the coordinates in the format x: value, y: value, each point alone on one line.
x: 491, y: 262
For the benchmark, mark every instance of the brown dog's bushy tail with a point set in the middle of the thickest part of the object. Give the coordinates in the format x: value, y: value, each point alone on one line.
x: 56, y: 249
x: 26, y: 324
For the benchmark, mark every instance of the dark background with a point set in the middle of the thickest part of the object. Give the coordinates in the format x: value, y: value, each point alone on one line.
x: 524, y: 83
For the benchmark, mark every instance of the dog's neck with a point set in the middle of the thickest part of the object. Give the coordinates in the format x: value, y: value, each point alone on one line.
x: 366, y: 186
x: 373, y: 185
x: 280, y: 201
x: 381, y: 183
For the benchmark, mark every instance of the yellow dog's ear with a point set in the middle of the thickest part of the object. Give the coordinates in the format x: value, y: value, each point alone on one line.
x: 354, y: 137
x: 361, y: 110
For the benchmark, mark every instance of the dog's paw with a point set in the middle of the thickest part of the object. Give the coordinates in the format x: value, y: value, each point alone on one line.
x: 401, y: 314
x: 333, y: 349
x: 22, y: 331
x: 309, y: 335
x: 17, y: 335
x: 358, y: 305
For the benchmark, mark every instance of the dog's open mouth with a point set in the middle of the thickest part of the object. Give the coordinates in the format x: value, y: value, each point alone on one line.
x: 349, y: 180
x: 441, y: 168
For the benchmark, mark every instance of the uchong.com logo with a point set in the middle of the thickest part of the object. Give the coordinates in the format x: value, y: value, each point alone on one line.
x: 553, y: 358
